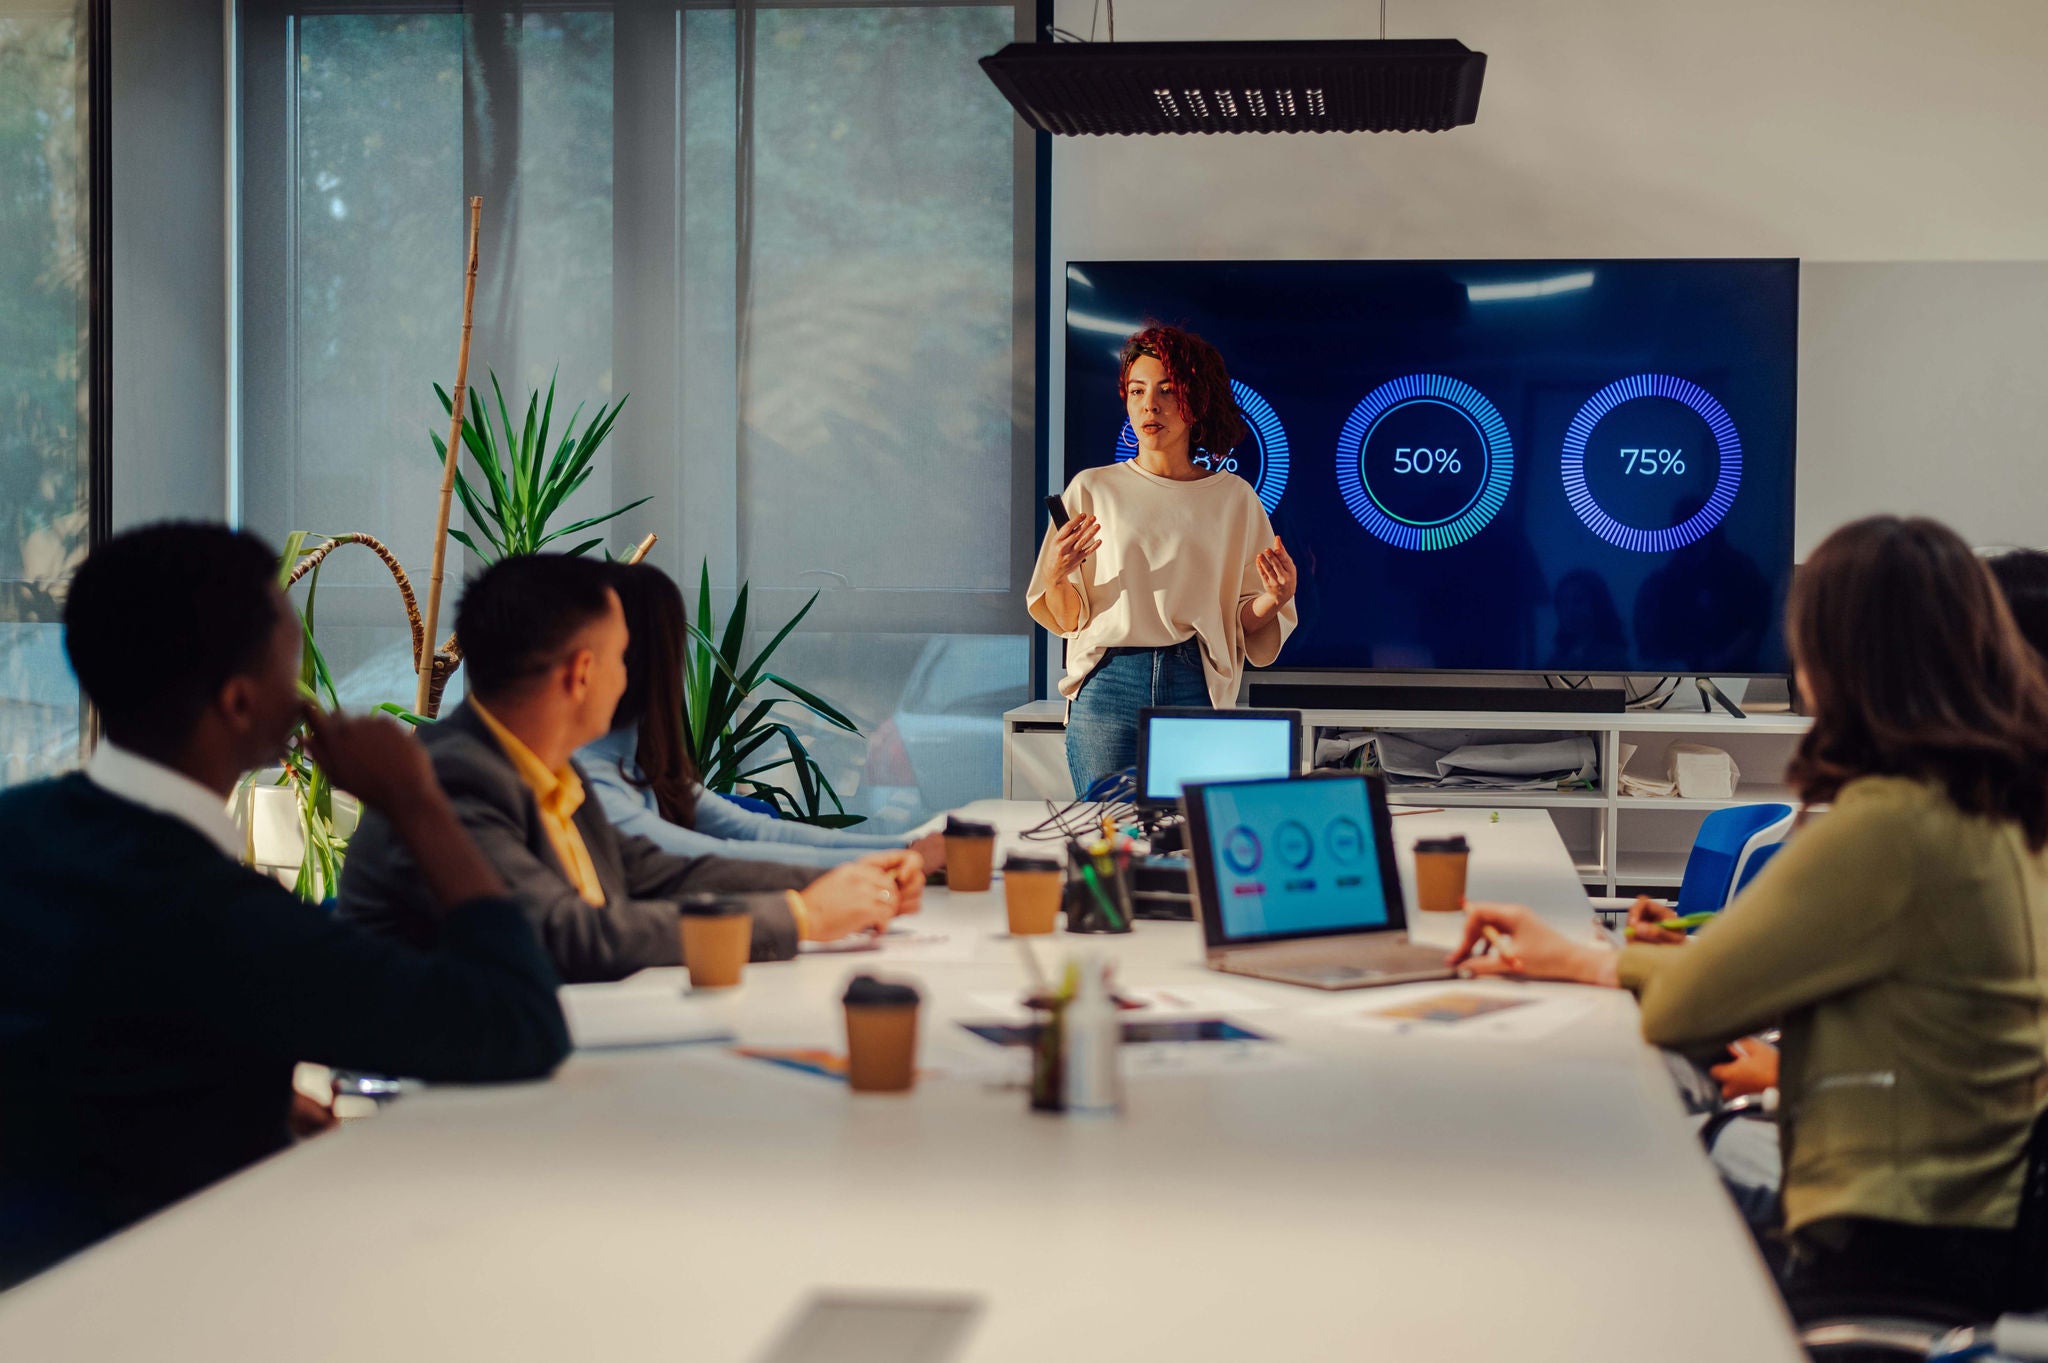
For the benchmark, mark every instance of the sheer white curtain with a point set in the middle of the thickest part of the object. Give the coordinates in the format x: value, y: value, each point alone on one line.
x: 797, y: 235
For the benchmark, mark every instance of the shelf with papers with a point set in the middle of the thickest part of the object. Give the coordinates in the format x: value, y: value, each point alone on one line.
x: 1466, y: 798
x: 1748, y: 793
x: 1613, y: 840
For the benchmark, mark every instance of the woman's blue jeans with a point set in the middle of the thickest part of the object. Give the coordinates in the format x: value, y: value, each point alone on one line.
x: 1102, y: 725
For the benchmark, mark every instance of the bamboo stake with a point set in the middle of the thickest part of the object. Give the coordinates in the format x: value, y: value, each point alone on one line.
x: 640, y: 549
x: 425, y: 662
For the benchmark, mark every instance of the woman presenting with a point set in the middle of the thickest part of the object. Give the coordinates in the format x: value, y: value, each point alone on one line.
x: 1168, y: 578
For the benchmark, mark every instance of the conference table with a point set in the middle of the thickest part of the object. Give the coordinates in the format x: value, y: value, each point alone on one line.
x: 1520, y: 1185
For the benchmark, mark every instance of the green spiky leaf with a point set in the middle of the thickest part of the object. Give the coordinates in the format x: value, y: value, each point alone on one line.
x: 732, y: 731
x: 524, y: 474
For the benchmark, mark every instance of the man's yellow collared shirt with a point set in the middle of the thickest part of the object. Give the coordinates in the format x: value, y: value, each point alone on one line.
x: 560, y: 795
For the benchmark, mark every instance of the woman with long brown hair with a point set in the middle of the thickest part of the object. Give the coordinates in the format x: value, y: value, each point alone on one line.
x: 1168, y: 579
x: 1899, y: 939
x: 642, y: 773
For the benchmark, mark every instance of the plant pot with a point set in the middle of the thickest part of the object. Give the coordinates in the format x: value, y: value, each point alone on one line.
x: 269, y: 814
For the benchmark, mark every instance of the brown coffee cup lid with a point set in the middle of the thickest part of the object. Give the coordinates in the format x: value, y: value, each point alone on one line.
x: 865, y: 991
x: 712, y: 905
x: 1455, y: 843
x: 967, y: 828
x: 1017, y: 861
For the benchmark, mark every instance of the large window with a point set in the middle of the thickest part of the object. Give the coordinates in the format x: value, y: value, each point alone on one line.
x: 798, y: 235
x: 44, y: 365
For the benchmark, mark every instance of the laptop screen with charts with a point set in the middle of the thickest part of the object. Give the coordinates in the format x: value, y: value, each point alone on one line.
x: 1284, y: 860
x: 1179, y: 747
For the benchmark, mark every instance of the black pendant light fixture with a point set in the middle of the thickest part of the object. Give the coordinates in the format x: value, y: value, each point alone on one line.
x: 1350, y: 85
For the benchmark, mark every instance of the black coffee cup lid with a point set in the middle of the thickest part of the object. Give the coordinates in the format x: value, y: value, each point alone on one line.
x: 1455, y: 843
x: 1018, y: 862
x: 865, y: 991
x: 712, y: 905
x: 967, y: 828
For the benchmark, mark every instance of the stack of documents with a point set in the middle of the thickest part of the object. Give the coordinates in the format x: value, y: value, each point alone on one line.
x: 1692, y: 770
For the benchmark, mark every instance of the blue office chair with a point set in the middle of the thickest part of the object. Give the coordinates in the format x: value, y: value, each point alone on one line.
x: 1732, y: 846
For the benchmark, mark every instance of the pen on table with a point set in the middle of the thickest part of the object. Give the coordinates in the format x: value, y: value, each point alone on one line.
x: 1500, y: 946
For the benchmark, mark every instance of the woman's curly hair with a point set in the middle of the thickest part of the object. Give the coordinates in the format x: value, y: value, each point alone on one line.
x: 1199, y: 380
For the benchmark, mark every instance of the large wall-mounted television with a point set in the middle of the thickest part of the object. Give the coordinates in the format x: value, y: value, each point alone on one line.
x: 1544, y: 466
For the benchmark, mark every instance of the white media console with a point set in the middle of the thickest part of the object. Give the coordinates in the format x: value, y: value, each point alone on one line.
x: 1620, y: 843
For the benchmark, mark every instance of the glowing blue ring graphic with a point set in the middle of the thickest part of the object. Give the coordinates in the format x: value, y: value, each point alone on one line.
x: 1477, y: 492
x: 1469, y: 403
x: 1703, y: 405
x: 1265, y: 422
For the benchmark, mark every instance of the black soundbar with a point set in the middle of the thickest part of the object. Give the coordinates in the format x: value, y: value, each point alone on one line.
x: 1586, y: 700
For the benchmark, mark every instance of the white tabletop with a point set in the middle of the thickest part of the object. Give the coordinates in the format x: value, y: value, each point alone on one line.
x: 1379, y: 1194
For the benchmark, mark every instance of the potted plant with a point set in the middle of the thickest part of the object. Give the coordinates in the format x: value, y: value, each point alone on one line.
x: 297, y: 824
x: 731, y: 728
x: 526, y: 480
x: 294, y: 820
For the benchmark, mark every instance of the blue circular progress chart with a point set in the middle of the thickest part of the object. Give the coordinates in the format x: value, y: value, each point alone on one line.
x: 1651, y: 463
x: 1260, y: 461
x: 1425, y: 462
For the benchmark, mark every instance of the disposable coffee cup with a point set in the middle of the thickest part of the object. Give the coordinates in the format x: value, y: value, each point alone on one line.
x: 1031, y: 892
x: 1440, y: 874
x: 970, y: 855
x: 718, y: 931
x: 881, y: 1036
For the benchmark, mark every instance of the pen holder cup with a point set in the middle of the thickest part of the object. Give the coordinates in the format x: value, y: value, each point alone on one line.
x: 1097, y: 894
x: 1048, y: 1055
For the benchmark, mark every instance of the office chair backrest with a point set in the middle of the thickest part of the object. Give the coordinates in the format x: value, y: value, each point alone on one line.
x: 1861, y: 1332
x: 1726, y: 847
x: 1763, y: 844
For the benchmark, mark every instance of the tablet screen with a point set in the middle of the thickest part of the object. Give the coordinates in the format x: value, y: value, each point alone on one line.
x: 1183, y: 750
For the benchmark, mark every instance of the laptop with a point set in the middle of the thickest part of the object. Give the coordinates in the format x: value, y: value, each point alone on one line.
x: 1295, y: 881
x: 1177, y: 747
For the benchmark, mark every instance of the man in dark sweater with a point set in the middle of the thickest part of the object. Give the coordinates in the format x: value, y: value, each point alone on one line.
x: 544, y: 656
x: 154, y: 993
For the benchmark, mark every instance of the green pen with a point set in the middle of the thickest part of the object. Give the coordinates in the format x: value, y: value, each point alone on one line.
x: 1101, y: 896
x: 1684, y: 924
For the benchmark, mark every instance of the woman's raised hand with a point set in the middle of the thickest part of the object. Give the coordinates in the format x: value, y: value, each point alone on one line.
x: 1074, y: 542
x: 1277, y: 572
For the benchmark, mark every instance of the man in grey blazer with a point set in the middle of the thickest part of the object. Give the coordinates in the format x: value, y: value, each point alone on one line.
x: 544, y: 644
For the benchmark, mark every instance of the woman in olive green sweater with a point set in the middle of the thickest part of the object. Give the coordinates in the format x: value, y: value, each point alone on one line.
x: 1901, y: 941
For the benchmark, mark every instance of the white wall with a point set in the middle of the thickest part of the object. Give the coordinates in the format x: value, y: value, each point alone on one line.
x: 1899, y: 147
